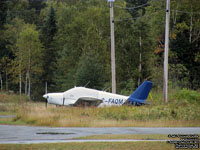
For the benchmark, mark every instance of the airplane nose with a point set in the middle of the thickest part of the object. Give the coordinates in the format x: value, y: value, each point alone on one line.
x: 45, y: 95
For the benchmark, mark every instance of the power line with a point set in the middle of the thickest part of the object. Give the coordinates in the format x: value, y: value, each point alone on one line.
x: 129, y: 19
x: 185, y: 12
x: 130, y: 8
x: 139, y: 6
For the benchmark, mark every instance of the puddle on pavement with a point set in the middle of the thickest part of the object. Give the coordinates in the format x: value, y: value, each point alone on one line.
x: 54, y: 133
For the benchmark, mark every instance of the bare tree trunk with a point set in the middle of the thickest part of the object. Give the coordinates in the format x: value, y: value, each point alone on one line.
x: 1, y: 82
x: 20, y: 83
x: 190, y: 38
x: 6, y: 81
x: 20, y: 73
x: 29, y: 85
x: 29, y: 79
x: 26, y: 82
x: 191, y: 17
x: 174, y: 18
x: 140, y: 60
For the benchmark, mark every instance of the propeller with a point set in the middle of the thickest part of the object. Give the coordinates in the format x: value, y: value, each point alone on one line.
x: 46, y: 103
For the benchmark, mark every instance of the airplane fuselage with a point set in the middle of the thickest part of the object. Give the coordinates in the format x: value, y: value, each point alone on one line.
x: 70, y: 97
x: 112, y: 99
x: 81, y: 96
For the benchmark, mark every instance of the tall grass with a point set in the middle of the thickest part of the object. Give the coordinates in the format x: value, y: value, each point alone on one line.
x: 181, y: 110
x: 160, y: 115
x: 10, y: 102
x: 6, y: 97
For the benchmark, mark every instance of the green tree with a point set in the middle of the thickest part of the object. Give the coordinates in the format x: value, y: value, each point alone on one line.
x: 85, y: 31
x: 11, y: 34
x: 29, y: 55
x: 133, y: 48
x: 50, y: 53
x: 17, y: 9
x: 3, y: 13
x: 136, y: 6
x: 155, y: 16
x: 5, y: 72
x: 185, y: 42
x: 91, y: 71
x: 3, y: 51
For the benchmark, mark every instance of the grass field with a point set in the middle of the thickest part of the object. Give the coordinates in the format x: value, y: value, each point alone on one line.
x: 182, y: 110
x: 91, y: 146
x: 37, y: 114
x: 129, y: 136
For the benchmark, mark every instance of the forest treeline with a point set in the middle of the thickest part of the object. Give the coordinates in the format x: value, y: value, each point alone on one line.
x: 66, y: 43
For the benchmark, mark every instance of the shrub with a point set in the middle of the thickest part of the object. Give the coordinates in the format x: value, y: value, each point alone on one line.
x: 188, y: 96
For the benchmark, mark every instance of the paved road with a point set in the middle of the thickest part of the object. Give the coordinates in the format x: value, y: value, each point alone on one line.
x: 29, y: 134
x: 7, y: 116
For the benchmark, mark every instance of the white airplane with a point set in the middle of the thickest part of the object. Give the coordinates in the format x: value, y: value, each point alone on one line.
x: 81, y: 96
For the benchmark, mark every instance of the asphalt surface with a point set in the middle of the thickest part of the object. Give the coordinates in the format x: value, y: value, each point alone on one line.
x: 29, y: 134
x: 7, y: 116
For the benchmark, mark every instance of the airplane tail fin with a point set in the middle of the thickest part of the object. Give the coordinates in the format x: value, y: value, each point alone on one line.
x: 139, y: 96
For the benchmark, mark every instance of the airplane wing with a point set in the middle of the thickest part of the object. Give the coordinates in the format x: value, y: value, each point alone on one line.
x: 87, y: 101
x: 136, y: 102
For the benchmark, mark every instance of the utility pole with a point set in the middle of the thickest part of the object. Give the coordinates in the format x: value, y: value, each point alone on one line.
x: 140, y: 59
x: 165, y: 86
x: 1, y: 81
x: 112, y: 46
x: 46, y: 88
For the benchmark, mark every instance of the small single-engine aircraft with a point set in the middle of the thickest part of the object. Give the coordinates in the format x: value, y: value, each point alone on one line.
x: 81, y: 96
